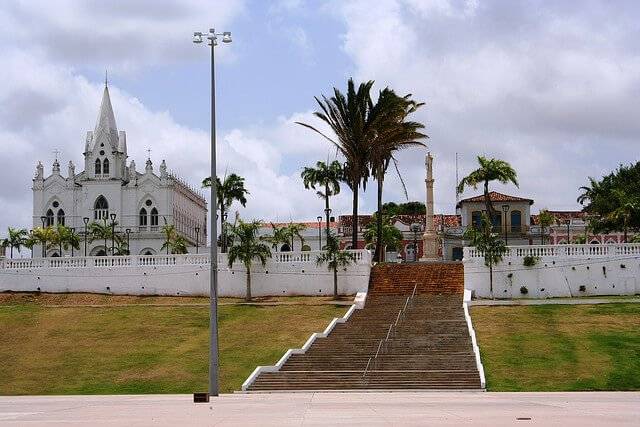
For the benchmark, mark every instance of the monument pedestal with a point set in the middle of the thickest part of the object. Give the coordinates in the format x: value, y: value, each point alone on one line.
x: 430, y: 247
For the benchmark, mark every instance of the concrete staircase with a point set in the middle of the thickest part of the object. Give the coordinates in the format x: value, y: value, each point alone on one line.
x: 412, y: 334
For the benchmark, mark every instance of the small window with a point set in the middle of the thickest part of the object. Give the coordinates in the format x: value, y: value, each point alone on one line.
x: 60, y: 217
x: 102, y: 152
x: 98, y: 168
x: 101, y: 208
x: 143, y: 216
x: 154, y: 217
x: 148, y: 203
x: 49, y: 220
x: 56, y: 204
x: 105, y: 167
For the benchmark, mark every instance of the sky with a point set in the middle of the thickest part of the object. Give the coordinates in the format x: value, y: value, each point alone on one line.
x: 551, y: 87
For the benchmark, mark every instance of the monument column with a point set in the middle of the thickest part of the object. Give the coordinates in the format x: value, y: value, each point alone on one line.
x: 429, y: 238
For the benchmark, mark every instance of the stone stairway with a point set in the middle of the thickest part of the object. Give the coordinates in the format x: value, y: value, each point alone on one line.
x: 412, y: 334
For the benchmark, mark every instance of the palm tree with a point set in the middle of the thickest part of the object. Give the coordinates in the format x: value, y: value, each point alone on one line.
x: 294, y: 230
x: 16, y: 238
x: 327, y: 176
x: 348, y: 118
x: 101, y: 231
x: 627, y: 206
x: 45, y: 236
x: 230, y: 189
x: 393, y: 133
x: 279, y: 235
x: 589, y: 192
x: 248, y: 248
x: 489, y: 170
x: 335, y: 259
x: 391, y: 236
x: 489, y: 244
x: 545, y: 219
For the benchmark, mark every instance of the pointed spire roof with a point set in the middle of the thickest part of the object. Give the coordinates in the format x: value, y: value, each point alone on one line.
x: 106, y: 124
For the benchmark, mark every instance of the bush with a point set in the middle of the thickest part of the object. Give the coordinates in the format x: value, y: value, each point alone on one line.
x: 582, y: 288
x: 524, y: 290
x: 529, y: 261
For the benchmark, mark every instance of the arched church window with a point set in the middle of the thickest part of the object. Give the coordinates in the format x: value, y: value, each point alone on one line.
x: 98, y: 169
x: 154, y: 217
x: 101, y: 208
x: 105, y: 167
x: 143, y: 216
x: 60, y: 217
x: 49, y: 221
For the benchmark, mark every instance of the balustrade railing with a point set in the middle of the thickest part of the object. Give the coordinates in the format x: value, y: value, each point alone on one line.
x: 562, y: 251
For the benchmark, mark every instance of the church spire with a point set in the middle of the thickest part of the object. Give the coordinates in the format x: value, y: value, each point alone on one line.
x: 106, y: 124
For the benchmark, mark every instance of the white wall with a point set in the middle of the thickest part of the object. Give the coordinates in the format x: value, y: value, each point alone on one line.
x: 560, y: 271
x: 288, y: 273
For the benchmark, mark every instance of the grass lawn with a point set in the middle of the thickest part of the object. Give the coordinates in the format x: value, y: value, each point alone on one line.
x: 560, y: 347
x: 141, y: 349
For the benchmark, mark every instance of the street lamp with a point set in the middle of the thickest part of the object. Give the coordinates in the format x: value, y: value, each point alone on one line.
x: 44, y: 237
x: 319, y: 232
x: 224, y: 232
x: 73, y: 235
x: 128, y: 231
x: 415, y: 227
x: 113, y: 233
x: 86, y: 222
x: 568, y: 222
x: 212, y: 36
x: 505, y: 209
x: 197, y: 237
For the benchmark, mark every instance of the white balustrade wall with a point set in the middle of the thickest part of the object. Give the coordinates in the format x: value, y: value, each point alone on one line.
x: 560, y: 271
x: 286, y: 273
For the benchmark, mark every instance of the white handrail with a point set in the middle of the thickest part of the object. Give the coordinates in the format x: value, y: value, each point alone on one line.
x: 562, y: 251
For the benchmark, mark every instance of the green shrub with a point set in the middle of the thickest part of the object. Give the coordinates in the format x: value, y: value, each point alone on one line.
x: 524, y: 290
x: 530, y: 261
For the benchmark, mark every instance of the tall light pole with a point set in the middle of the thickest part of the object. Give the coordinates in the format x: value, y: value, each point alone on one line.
x: 73, y: 235
x: 128, y: 231
x: 113, y: 234
x: 44, y: 241
x: 86, y: 222
x: 505, y: 209
x: 320, y: 232
x: 197, y: 237
x: 212, y: 38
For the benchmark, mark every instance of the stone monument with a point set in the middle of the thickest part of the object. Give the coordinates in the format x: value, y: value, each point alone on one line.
x: 430, y: 237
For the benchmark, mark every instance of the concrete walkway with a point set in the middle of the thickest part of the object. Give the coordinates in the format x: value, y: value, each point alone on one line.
x: 558, y: 301
x: 301, y: 409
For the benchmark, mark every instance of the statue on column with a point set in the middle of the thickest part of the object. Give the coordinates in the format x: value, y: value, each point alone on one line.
x: 430, y: 237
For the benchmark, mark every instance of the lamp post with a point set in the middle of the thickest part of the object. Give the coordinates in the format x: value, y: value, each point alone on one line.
x: 73, y: 235
x: 568, y: 222
x: 415, y: 227
x: 113, y: 233
x: 224, y: 232
x: 319, y: 232
x: 128, y: 231
x: 197, y: 237
x: 212, y: 37
x: 86, y: 222
x: 505, y: 209
x: 31, y: 238
x: 44, y: 240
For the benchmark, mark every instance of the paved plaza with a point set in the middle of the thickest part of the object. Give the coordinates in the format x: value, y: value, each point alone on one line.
x: 298, y: 409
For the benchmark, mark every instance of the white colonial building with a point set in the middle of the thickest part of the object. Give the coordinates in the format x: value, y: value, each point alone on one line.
x: 141, y: 201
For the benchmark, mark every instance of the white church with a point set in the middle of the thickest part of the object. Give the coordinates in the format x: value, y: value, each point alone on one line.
x: 140, y: 202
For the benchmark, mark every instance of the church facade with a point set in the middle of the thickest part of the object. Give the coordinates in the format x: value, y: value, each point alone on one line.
x: 142, y: 201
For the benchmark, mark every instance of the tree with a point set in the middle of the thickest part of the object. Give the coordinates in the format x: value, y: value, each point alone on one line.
x: 545, y: 219
x: 335, y: 258
x: 489, y: 170
x: 294, y: 230
x: 173, y: 242
x: 279, y: 236
x: 489, y: 244
x: 326, y: 176
x: 16, y: 238
x: 247, y: 248
x: 626, y: 207
x: 101, y: 231
x: 392, y: 133
x: 348, y: 118
x: 45, y: 236
x: 391, y: 236
x: 230, y: 189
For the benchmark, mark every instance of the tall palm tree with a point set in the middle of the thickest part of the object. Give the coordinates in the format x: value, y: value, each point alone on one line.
x: 247, y: 248
x: 627, y: 206
x: 294, y: 230
x: 327, y: 176
x: 489, y: 244
x: 348, y: 118
x: 279, y: 236
x: 489, y: 170
x: 335, y: 259
x: 45, y: 236
x: 393, y: 133
x: 101, y: 231
x: 545, y: 219
x: 230, y: 189
x: 16, y: 238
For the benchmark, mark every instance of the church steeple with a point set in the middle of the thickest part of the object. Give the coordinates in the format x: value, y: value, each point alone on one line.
x: 106, y: 123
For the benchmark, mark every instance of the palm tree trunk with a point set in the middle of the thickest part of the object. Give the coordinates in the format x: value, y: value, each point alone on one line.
x: 335, y: 282
x: 248, y: 296
x: 378, y: 256
x: 11, y: 251
x: 326, y: 208
x: 354, y: 220
x: 487, y: 203
x: 223, y: 237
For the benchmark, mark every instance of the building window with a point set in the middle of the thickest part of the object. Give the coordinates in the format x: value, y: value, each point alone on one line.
x: 49, y: 221
x: 285, y: 248
x: 101, y: 209
x: 98, y: 169
x: 105, y: 167
x: 143, y: 216
x: 60, y: 217
x: 154, y: 217
x: 516, y: 220
x: 476, y: 219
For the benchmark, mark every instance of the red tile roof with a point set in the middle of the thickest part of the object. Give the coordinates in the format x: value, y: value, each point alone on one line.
x: 449, y: 220
x: 561, y: 216
x: 494, y: 196
x: 309, y: 224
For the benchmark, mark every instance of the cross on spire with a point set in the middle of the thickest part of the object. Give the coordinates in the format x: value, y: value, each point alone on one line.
x: 55, y: 153
x: 106, y: 78
x: 148, y: 153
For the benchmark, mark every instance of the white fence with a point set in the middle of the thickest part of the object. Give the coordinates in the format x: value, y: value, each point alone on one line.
x: 286, y: 273
x: 559, y: 271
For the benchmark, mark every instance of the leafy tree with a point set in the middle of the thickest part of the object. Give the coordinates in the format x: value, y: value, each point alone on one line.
x: 16, y: 238
x: 44, y: 236
x: 326, y: 176
x: 247, y: 248
x: 65, y: 238
x: 279, y: 236
x: 545, y: 219
x: 335, y: 258
x: 391, y: 236
x: 173, y: 242
x: 230, y: 189
x: 294, y: 230
x: 489, y: 170
x: 348, y: 118
x: 626, y: 207
x: 101, y: 231
x: 490, y: 244
x: 393, y: 133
